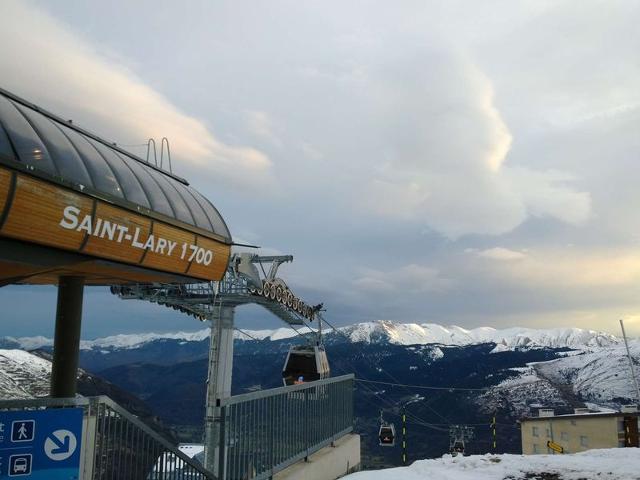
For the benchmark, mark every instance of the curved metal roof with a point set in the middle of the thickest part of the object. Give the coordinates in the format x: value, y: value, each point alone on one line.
x: 47, y: 146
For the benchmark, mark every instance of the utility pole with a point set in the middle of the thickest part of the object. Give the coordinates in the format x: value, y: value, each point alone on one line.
x: 404, y: 436
x: 633, y: 372
x: 493, y: 428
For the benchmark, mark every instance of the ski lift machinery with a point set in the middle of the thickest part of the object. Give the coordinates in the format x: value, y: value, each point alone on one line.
x: 304, y: 363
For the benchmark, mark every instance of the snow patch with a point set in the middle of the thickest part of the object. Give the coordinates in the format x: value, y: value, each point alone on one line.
x: 609, y: 464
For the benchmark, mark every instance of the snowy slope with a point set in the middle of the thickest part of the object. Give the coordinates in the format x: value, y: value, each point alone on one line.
x: 23, y: 375
x: 600, y: 378
x: 611, y: 464
x: 510, y: 338
x: 381, y: 331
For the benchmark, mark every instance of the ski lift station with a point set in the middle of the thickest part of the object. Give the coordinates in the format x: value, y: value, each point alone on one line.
x: 78, y: 210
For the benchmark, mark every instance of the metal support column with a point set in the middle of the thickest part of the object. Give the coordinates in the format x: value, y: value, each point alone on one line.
x: 66, y: 343
x: 218, y: 385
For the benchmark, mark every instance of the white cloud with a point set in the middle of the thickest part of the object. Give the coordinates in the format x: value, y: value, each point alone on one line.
x: 45, y: 62
x: 447, y: 146
x: 410, y: 278
x: 499, y: 253
x: 565, y: 269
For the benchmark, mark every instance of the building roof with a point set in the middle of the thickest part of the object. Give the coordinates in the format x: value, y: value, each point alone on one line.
x: 571, y: 416
x: 44, y: 145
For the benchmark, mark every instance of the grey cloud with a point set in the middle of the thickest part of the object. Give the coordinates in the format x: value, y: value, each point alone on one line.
x: 397, y: 135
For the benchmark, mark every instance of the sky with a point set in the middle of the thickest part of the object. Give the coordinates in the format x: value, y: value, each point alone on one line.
x: 452, y: 162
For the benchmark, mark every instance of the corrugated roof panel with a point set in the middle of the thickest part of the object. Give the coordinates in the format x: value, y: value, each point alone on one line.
x: 159, y: 201
x: 68, y: 163
x: 180, y: 208
x: 64, y: 153
x: 103, y: 177
x: 29, y: 147
x: 6, y: 150
x: 131, y: 187
x: 218, y: 223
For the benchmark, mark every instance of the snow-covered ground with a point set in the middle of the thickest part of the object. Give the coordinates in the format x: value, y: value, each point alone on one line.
x: 611, y: 464
x: 373, y: 332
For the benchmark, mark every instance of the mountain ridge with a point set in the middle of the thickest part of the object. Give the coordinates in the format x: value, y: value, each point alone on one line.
x: 380, y: 331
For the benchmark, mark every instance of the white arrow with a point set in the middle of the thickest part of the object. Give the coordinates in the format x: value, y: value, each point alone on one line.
x: 60, y: 445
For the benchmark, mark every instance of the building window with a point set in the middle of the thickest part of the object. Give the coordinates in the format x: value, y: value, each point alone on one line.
x: 534, y: 431
x: 573, y: 422
x: 535, y: 448
x: 584, y: 441
x: 564, y: 436
x: 548, y: 433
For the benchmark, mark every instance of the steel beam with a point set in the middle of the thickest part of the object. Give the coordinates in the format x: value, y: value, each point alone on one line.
x: 218, y: 385
x: 66, y: 343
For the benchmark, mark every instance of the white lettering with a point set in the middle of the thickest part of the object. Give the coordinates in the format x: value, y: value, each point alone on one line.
x: 172, y: 245
x: 108, y: 229
x: 135, y: 241
x: 149, y: 243
x: 70, y: 220
x: 123, y: 230
x: 85, y: 225
x: 161, y: 245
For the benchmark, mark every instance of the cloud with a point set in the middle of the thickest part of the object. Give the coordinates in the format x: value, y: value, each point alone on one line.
x: 447, y: 146
x: 498, y: 253
x: 45, y: 62
x: 410, y: 278
x: 261, y: 125
x: 564, y: 269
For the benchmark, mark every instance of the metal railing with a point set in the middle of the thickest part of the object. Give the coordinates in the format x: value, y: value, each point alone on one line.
x: 264, y: 432
x: 116, y: 445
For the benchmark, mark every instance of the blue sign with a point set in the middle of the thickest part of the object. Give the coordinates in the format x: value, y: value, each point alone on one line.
x: 41, y: 444
x: 22, y: 430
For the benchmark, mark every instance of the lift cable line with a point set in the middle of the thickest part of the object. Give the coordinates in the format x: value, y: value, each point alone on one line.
x: 423, y: 387
x: 246, y: 334
x: 377, y: 367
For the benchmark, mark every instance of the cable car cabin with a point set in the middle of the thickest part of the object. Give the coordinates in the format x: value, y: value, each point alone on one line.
x: 457, y: 448
x: 305, y: 364
x: 387, y: 435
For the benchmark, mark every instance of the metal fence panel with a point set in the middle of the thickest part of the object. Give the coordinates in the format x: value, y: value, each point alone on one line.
x: 267, y: 431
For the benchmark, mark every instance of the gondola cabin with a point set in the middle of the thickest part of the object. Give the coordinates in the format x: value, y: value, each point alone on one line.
x: 387, y: 435
x: 457, y: 448
x: 304, y: 364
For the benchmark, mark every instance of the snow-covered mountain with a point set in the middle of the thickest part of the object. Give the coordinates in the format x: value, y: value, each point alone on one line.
x: 23, y: 375
x: 505, y: 339
x: 600, y: 379
x: 381, y: 331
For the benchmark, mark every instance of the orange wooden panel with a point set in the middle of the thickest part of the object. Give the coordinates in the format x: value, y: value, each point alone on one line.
x: 220, y: 258
x: 5, y: 181
x: 37, y: 213
x: 168, y: 250
x: 118, y: 234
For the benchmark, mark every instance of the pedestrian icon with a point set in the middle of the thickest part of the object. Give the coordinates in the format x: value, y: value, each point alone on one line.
x: 20, y: 465
x: 23, y: 430
x: 60, y: 445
